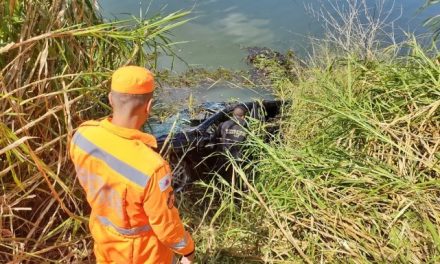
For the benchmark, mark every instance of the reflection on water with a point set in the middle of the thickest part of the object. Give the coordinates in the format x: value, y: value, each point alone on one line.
x: 242, y: 29
x: 223, y: 28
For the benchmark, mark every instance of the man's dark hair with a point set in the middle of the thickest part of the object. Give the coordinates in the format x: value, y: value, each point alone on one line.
x: 239, y: 111
x: 242, y: 107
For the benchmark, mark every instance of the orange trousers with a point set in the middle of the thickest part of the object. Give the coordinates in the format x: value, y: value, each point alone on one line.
x: 152, y: 250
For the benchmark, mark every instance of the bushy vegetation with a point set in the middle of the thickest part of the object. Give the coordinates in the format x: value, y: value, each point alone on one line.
x: 353, y: 177
x: 55, y: 61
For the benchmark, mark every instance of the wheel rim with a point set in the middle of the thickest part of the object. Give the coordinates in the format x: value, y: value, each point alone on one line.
x: 180, y: 177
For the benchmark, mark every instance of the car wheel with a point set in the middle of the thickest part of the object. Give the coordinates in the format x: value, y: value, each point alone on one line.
x: 181, y: 175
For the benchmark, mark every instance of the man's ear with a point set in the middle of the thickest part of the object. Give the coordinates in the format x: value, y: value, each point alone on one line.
x: 110, y: 99
x: 149, y: 105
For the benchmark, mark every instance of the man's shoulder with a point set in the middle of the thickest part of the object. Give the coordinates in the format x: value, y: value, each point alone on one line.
x: 155, y: 157
x: 90, y: 123
x: 133, y: 153
x: 226, y: 124
x: 90, y: 130
x: 87, y: 125
x: 152, y: 162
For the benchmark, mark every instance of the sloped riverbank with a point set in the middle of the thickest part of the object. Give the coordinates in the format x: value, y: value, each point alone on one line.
x: 352, y: 177
x: 354, y: 174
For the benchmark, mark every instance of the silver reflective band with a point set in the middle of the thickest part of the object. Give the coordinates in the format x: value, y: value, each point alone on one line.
x: 124, y: 231
x: 98, y: 191
x: 117, y: 165
x: 181, y: 244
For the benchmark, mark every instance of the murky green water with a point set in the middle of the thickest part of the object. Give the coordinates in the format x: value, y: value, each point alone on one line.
x: 222, y: 29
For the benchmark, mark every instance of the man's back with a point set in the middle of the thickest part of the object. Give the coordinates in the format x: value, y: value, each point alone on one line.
x: 231, y: 135
x: 128, y: 187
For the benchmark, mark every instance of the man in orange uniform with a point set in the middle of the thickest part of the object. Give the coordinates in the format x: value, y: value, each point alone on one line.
x: 128, y: 185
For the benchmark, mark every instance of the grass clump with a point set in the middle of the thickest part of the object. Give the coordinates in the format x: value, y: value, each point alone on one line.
x: 354, y: 175
x: 55, y: 61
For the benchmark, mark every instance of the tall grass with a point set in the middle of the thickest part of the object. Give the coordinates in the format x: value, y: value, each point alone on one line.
x: 357, y: 26
x: 55, y: 61
x: 354, y: 176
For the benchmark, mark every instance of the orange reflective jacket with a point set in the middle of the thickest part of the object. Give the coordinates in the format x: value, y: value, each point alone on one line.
x: 128, y: 187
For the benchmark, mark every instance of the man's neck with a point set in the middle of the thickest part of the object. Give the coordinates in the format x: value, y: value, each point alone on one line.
x: 132, y: 123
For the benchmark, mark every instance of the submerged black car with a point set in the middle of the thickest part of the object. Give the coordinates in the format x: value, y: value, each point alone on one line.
x: 188, y: 138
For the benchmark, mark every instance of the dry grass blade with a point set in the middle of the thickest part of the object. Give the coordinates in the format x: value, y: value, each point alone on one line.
x: 14, y: 144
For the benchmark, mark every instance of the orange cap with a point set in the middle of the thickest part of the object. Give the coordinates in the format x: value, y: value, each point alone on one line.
x: 132, y: 80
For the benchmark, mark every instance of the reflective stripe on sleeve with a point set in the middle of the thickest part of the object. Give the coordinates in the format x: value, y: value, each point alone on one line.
x: 124, y: 231
x: 117, y: 165
x: 181, y: 244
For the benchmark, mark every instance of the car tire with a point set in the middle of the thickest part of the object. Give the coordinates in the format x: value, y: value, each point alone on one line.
x: 181, y: 174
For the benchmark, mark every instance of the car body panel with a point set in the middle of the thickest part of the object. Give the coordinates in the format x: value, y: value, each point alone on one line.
x: 191, y: 147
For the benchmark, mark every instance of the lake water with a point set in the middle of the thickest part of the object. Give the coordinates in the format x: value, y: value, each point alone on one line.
x: 222, y: 29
